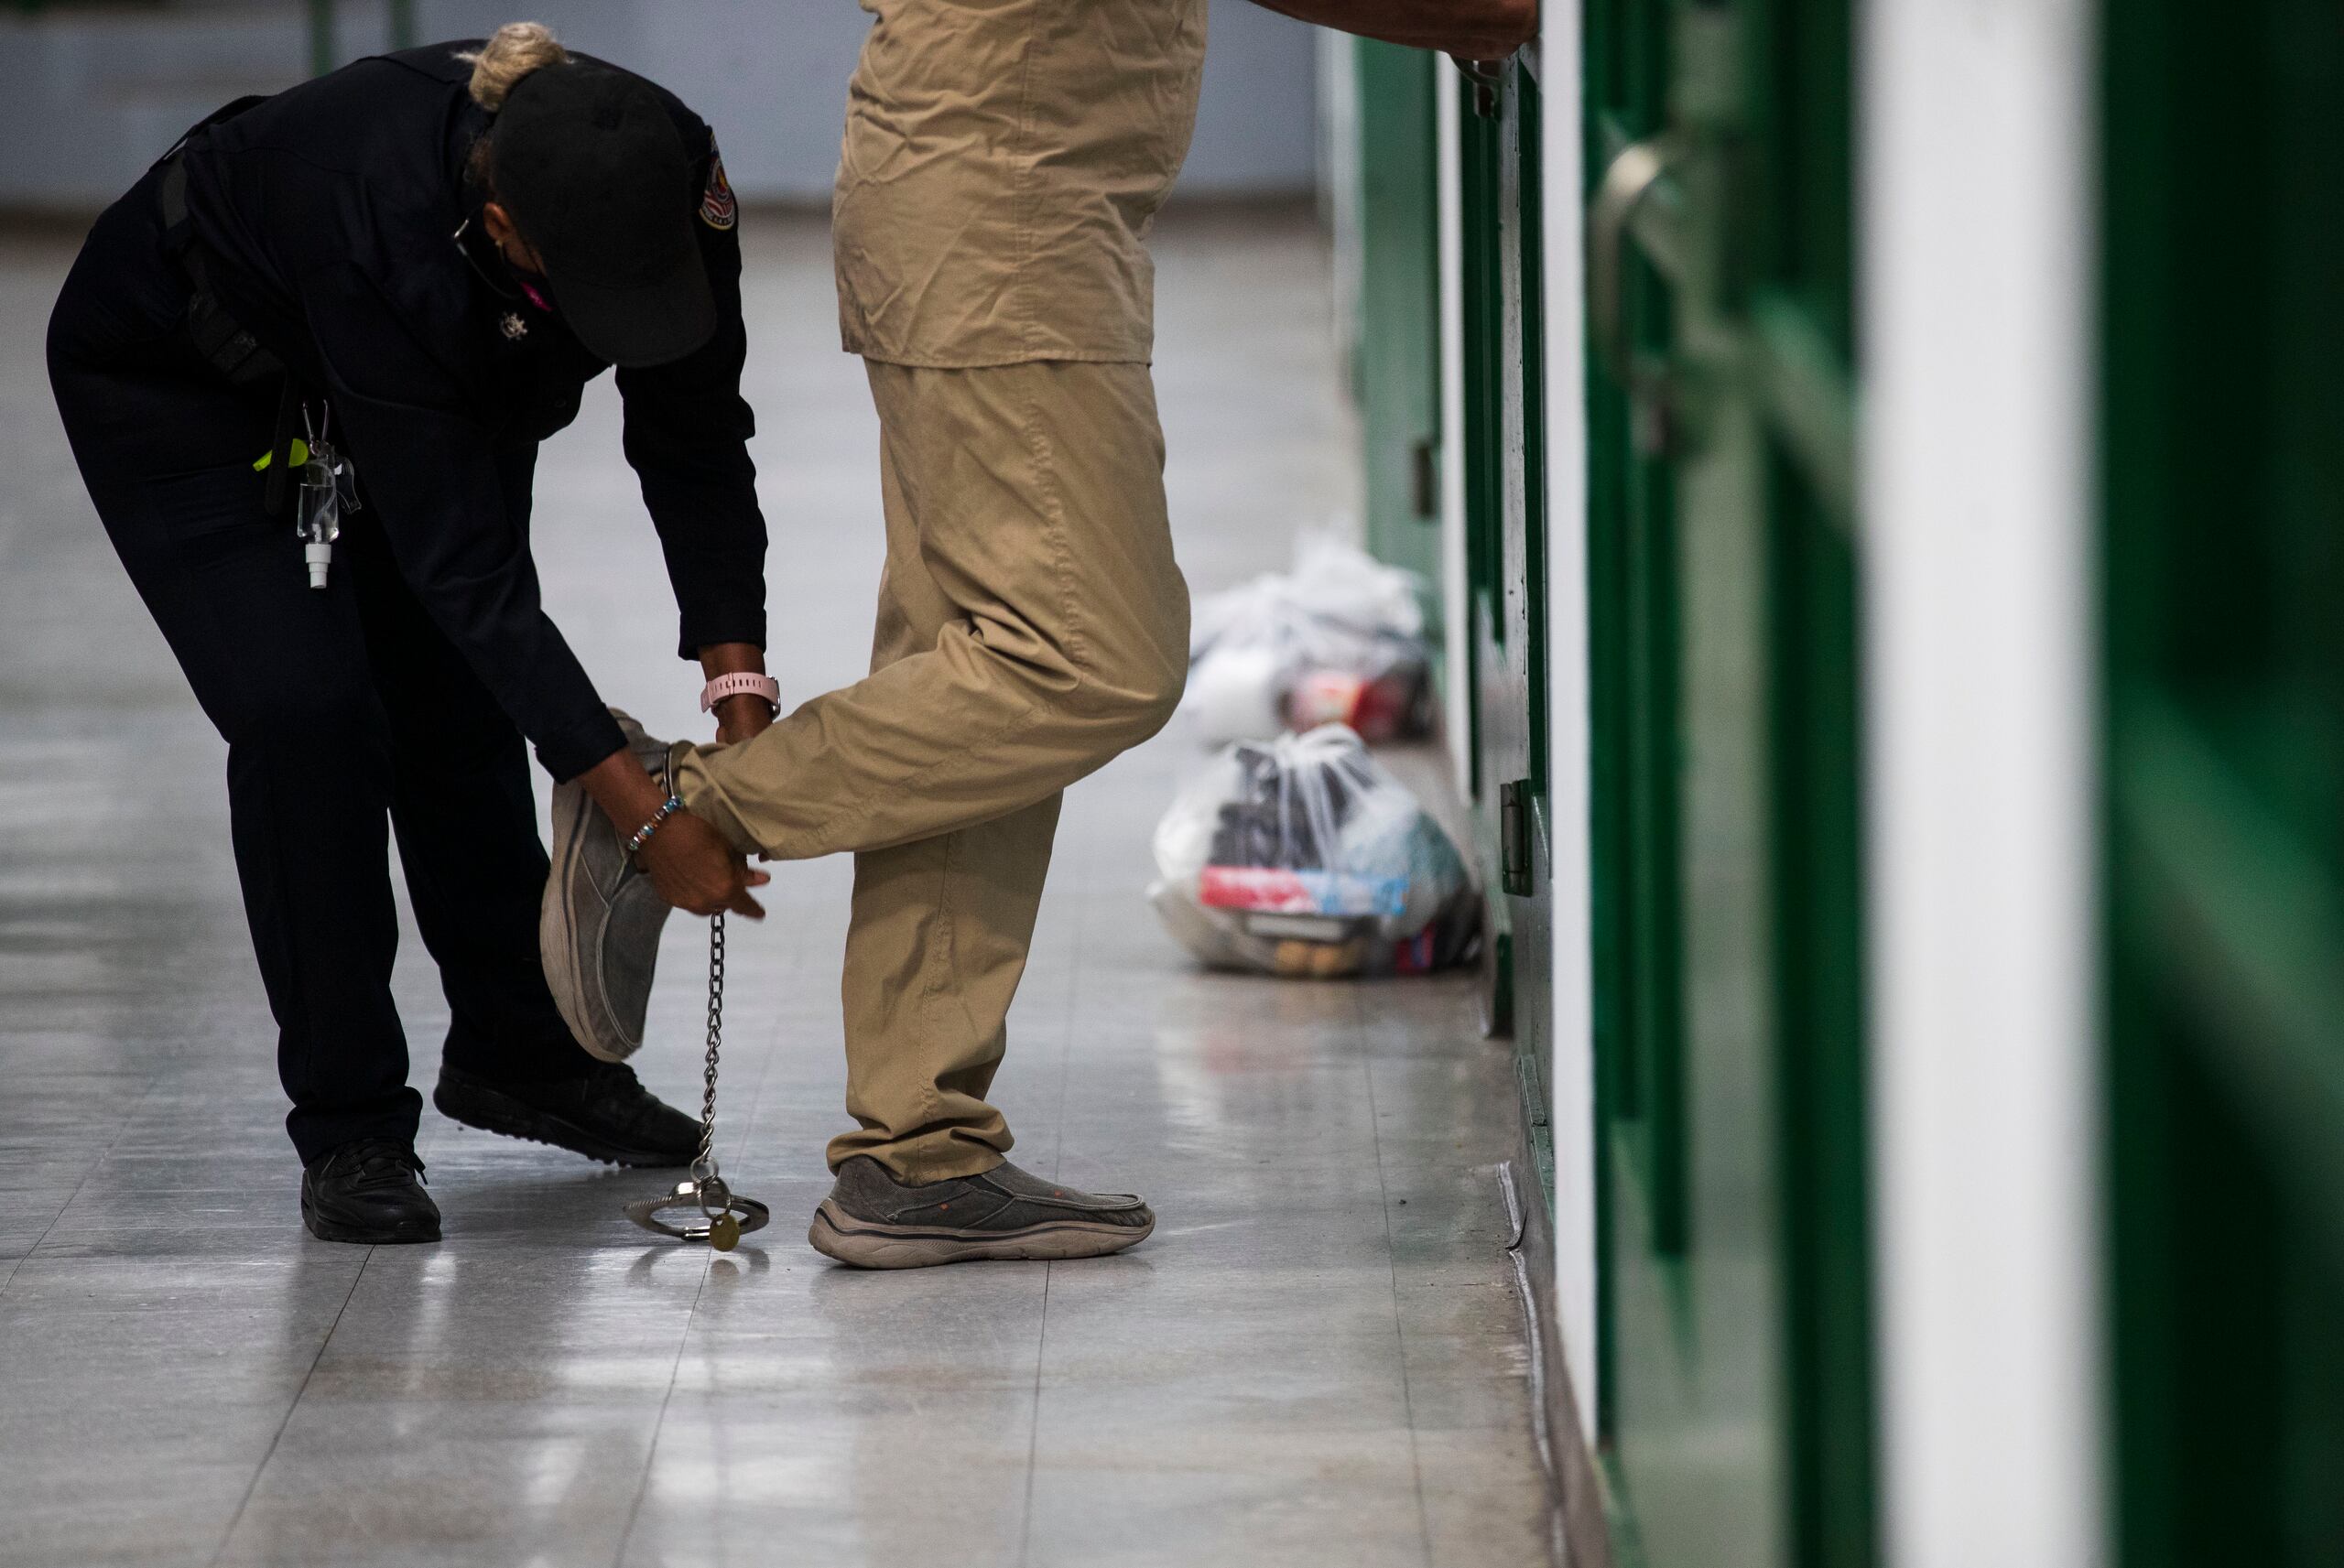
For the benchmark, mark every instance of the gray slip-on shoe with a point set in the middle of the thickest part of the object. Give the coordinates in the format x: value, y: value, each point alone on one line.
x: 873, y: 1221
x: 598, y: 927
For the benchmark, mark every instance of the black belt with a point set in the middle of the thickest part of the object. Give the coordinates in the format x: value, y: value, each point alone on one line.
x: 234, y: 353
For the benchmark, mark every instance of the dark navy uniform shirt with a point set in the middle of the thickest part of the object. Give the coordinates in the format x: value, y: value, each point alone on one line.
x: 331, y: 215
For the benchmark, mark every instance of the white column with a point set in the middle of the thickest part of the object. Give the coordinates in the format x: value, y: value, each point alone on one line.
x: 1976, y: 198
x: 1456, y: 592
x: 1565, y: 349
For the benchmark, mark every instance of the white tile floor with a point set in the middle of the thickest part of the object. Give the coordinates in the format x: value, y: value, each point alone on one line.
x: 1317, y: 1360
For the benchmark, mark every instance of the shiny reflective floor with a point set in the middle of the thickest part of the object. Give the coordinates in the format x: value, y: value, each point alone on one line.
x: 1318, y: 1358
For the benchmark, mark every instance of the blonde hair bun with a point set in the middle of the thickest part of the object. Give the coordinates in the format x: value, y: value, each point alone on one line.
x: 514, y: 49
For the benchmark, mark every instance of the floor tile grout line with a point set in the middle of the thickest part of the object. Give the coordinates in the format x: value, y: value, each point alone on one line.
x: 1058, y: 1164
x: 47, y: 1230
x: 291, y: 1407
x: 1034, y: 1424
x: 660, y: 1424
x: 691, y: 1317
x: 1399, y: 1329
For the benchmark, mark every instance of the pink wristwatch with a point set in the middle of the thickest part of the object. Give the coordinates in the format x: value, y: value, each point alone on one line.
x: 741, y: 683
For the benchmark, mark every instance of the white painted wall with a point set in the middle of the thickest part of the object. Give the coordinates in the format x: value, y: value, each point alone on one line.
x: 88, y: 98
x: 1456, y: 592
x: 1572, y: 1113
x: 1974, y: 196
x: 1338, y: 200
x: 1563, y: 241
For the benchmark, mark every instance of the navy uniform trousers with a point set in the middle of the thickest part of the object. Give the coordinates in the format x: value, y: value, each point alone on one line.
x: 344, y: 709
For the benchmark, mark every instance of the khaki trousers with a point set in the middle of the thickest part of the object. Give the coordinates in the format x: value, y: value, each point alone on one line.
x: 1032, y: 624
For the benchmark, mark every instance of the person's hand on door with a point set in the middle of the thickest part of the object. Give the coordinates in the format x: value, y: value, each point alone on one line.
x: 1468, y: 29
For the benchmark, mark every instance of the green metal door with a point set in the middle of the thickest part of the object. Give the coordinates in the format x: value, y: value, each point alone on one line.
x: 1396, y: 372
x: 2223, y: 552
x: 1505, y: 547
x: 1721, y: 555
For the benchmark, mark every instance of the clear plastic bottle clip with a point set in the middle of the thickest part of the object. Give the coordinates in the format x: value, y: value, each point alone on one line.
x: 328, y: 488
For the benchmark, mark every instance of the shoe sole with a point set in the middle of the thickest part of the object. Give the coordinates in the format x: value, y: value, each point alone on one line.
x: 509, y: 1117
x: 397, y: 1236
x: 867, y: 1244
x: 558, y: 933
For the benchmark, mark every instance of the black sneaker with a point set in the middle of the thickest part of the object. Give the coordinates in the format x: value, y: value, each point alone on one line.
x: 606, y: 1114
x: 369, y: 1192
x: 873, y: 1221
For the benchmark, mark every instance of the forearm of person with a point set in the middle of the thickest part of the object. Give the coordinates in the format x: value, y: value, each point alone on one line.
x: 628, y: 796
x: 742, y: 716
x: 688, y: 862
x: 1470, y: 29
x: 686, y: 432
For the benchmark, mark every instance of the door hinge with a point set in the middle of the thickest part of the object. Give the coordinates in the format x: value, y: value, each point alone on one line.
x: 1487, y: 77
x: 1513, y: 837
x: 1423, y: 477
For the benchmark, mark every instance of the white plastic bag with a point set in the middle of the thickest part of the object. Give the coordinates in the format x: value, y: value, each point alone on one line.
x: 1340, y: 639
x: 1303, y: 856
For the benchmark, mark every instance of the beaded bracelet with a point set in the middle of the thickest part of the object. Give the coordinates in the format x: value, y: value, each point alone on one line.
x: 643, y: 834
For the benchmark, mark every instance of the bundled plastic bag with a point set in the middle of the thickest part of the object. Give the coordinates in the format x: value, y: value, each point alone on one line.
x: 1303, y: 856
x: 1337, y: 640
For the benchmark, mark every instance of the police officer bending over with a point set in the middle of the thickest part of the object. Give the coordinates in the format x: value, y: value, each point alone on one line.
x: 305, y: 365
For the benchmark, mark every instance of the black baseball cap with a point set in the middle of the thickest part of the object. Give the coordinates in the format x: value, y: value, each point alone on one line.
x: 594, y: 170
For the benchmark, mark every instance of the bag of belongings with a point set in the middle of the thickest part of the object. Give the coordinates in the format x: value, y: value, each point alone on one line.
x: 1337, y: 640
x: 1303, y: 856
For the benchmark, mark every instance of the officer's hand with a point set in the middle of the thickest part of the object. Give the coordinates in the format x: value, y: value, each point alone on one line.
x: 692, y: 867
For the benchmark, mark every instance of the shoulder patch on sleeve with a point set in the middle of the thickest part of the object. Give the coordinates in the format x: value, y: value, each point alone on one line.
x: 717, y: 207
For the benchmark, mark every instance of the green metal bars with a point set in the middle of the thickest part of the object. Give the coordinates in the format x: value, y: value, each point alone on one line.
x: 1505, y: 548
x: 1725, y: 618
x: 1397, y: 373
x: 2222, y: 477
x: 1722, y: 557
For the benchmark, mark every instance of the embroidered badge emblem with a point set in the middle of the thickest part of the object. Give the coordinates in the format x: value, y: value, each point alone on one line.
x: 513, y: 326
x: 718, y: 208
